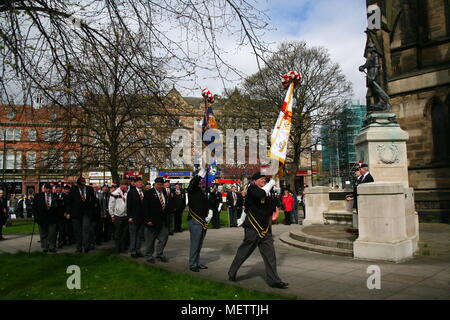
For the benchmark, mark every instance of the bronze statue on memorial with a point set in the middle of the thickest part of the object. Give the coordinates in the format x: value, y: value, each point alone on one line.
x: 377, y: 98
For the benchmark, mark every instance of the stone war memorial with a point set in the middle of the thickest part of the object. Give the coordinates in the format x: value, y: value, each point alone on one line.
x: 386, y: 219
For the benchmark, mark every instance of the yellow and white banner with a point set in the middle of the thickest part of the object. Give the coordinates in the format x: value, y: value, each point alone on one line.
x: 281, y: 132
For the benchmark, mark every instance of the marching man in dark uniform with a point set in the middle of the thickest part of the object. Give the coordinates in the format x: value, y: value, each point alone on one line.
x: 135, y: 212
x: 81, y: 207
x: 198, y: 219
x: 156, y: 221
x: 45, y: 210
x: 258, y: 233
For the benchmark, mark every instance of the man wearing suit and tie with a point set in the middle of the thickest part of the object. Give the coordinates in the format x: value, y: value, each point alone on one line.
x: 179, y: 204
x: 61, y: 230
x: 235, y: 202
x: 135, y: 212
x: 81, y: 210
x: 170, y: 206
x: 363, y: 176
x: 366, y: 177
x: 45, y: 210
x: 156, y: 221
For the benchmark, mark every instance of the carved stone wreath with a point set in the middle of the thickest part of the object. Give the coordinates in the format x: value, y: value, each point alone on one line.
x: 388, y: 154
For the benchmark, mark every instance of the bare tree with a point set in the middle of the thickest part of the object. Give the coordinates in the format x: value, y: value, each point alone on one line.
x: 39, y: 36
x: 114, y: 60
x: 322, y: 93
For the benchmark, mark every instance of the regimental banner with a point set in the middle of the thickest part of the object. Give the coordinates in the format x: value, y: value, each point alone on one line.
x: 281, y: 132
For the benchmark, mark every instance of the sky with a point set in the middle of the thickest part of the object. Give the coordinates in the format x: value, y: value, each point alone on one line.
x: 337, y: 25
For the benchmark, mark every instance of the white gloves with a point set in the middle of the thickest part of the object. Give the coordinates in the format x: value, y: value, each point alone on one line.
x: 202, y: 172
x: 209, y: 217
x: 241, y: 219
x: 269, y: 186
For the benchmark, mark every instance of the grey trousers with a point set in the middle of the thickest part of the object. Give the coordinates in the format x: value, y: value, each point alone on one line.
x: 120, y: 233
x: 294, y: 214
x: 47, y: 233
x: 171, y: 222
x: 267, y: 250
x: 81, y: 231
x: 197, y: 236
x: 151, y: 234
x: 233, y: 212
x: 136, y: 230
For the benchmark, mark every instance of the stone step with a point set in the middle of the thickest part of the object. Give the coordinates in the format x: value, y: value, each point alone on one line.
x: 299, y: 235
x: 286, y: 238
x: 338, y: 217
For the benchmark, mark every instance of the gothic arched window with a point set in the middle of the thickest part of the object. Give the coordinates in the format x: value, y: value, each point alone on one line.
x: 441, y: 134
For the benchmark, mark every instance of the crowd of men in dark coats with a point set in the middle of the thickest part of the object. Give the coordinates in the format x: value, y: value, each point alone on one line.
x: 132, y: 214
x: 86, y: 216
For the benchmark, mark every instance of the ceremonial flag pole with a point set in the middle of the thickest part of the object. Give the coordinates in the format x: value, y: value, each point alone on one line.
x: 281, y: 132
x: 209, y: 122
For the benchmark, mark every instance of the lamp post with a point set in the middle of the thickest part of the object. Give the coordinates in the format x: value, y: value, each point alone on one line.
x: 4, y: 161
x: 312, y: 174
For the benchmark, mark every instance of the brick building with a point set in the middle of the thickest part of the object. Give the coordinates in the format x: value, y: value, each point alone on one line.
x: 414, y: 41
x: 36, y: 147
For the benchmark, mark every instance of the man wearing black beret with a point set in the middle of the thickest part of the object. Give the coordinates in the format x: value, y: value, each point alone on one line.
x: 135, y: 213
x: 45, y: 210
x: 198, y: 218
x: 81, y: 211
x: 258, y: 233
x: 156, y: 222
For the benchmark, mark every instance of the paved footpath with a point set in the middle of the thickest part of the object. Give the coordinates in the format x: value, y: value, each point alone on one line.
x: 310, y: 275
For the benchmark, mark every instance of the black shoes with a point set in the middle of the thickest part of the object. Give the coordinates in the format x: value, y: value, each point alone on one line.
x: 194, y: 269
x: 52, y: 250
x: 202, y: 266
x: 163, y: 259
x: 151, y: 260
x: 45, y: 250
x: 280, y: 285
x: 232, y: 278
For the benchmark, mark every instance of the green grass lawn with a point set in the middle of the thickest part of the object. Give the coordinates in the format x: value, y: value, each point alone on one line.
x: 20, y: 227
x: 26, y: 227
x: 107, y: 276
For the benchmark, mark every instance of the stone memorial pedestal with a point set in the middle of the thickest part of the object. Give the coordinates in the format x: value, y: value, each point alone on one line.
x: 382, y: 223
x: 382, y: 145
x: 317, y: 200
x: 387, y: 221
